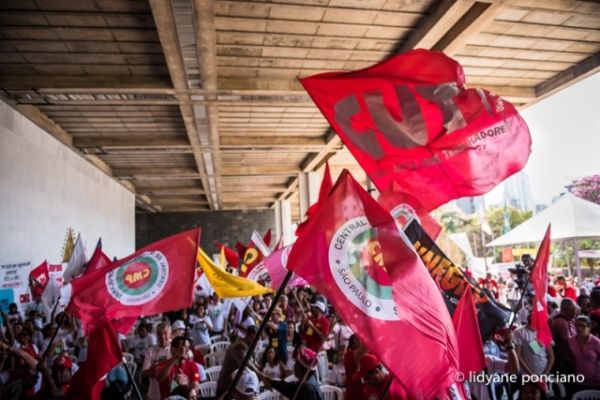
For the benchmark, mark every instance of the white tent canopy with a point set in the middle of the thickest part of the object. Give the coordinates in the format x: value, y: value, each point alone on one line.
x: 571, y: 217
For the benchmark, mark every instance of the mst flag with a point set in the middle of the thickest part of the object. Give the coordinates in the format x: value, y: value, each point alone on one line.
x: 405, y: 207
x: 155, y: 279
x: 410, y: 119
x: 225, y: 284
x: 451, y: 280
x: 470, y: 345
x: 354, y: 254
x: 539, y: 282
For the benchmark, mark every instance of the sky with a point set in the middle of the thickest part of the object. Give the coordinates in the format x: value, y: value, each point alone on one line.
x: 565, y: 134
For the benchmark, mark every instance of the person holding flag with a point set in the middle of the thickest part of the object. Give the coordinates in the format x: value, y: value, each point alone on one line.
x: 315, y: 327
x: 178, y: 369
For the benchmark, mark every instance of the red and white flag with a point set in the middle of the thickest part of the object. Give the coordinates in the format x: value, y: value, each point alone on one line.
x: 353, y: 253
x: 539, y: 282
x: 324, y: 190
x: 155, y: 279
x: 410, y: 119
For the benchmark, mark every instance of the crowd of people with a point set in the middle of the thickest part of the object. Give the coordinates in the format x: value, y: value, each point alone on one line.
x: 304, y: 347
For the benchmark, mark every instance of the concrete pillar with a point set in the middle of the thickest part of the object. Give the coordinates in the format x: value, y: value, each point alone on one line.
x: 286, y: 222
x: 308, y: 190
x: 278, y: 224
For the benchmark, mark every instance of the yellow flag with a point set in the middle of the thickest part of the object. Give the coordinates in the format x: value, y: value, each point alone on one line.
x: 69, y: 246
x: 222, y: 259
x: 225, y: 284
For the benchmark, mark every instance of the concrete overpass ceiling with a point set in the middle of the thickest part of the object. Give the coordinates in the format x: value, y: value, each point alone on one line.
x: 195, y: 104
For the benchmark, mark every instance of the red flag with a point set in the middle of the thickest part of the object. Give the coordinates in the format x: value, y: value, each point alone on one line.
x: 324, y: 190
x: 405, y: 207
x: 255, y: 252
x: 230, y: 255
x: 267, y: 237
x: 39, y: 278
x: 539, y: 282
x: 104, y: 353
x: 470, y: 345
x: 409, y: 119
x: 241, y: 249
x: 155, y: 279
x: 346, y: 252
x: 98, y: 260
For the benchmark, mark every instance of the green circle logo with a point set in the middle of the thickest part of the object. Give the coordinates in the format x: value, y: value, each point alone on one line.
x: 357, y: 265
x: 139, y: 280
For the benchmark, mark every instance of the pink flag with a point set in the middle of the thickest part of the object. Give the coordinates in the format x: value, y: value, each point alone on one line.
x: 353, y: 253
x: 276, y: 264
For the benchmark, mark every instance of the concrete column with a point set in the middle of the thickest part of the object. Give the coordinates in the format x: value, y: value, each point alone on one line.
x: 286, y: 222
x: 308, y: 190
x: 278, y: 224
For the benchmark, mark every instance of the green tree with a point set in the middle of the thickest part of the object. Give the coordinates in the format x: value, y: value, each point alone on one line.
x: 495, y: 217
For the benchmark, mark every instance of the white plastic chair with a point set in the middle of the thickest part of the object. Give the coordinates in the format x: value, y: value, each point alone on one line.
x: 218, y: 338
x: 214, y: 359
x: 213, y: 373
x: 269, y: 395
x: 204, y: 348
x: 331, y: 392
x: 208, y: 389
x: 587, y: 395
x: 562, y: 391
x: 132, y: 367
x: 219, y: 346
x: 128, y: 357
x: 322, y: 364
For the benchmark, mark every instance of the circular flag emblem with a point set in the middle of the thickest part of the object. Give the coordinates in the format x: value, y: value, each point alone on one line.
x: 139, y: 280
x: 357, y: 266
x: 404, y: 214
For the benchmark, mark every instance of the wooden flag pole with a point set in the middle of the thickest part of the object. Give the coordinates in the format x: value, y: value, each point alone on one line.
x: 261, y: 328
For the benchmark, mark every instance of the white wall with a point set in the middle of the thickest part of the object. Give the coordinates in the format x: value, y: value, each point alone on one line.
x: 45, y: 188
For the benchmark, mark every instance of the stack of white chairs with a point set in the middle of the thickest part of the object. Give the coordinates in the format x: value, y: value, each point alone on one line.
x: 212, y: 373
x: 219, y: 346
x: 214, y: 359
x: 208, y: 389
x: 332, y: 392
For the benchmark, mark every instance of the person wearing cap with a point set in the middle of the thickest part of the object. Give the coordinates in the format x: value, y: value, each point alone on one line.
x: 177, y: 328
x: 375, y: 380
x: 155, y: 355
x: 177, y: 370
x: 316, y: 327
x: 277, y: 331
x: 307, y: 387
x: 247, y: 386
x: 234, y: 355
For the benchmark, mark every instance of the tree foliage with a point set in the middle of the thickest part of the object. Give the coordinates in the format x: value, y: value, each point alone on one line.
x: 588, y: 188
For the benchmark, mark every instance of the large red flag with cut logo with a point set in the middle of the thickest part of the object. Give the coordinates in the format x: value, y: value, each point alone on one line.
x: 354, y: 254
x: 155, y: 279
x: 405, y: 208
x: 470, y: 345
x: 104, y: 353
x: 539, y: 282
x: 410, y: 119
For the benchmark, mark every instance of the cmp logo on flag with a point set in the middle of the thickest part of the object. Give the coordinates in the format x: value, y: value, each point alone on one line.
x: 139, y: 280
x: 356, y: 263
x: 404, y: 214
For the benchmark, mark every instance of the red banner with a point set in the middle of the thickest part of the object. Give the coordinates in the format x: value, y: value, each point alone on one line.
x: 410, y: 120
x: 539, y: 282
x: 353, y: 253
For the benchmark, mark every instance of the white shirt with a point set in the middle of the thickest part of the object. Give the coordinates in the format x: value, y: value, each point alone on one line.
x: 200, y: 328
x: 217, y: 314
x: 155, y: 354
x: 138, y: 345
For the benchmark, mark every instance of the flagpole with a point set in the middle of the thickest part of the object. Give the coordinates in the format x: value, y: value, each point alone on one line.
x: 189, y: 310
x: 60, y: 317
x: 518, y: 306
x: 261, y: 328
x: 135, y: 386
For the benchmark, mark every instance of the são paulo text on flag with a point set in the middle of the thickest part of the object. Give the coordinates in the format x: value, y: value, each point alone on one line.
x: 155, y: 279
x: 539, y: 282
x: 410, y: 119
x: 353, y: 253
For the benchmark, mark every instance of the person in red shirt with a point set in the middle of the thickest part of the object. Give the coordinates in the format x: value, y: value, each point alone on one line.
x: 565, y: 290
x: 353, y: 353
x: 316, y: 327
x: 177, y: 370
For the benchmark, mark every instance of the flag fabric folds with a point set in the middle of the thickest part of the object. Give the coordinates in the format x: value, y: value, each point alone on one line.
x: 155, y: 279
x: 539, y: 282
x: 104, y: 353
x: 410, y: 119
x: 225, y: 284
x: 470, y: 345
x: 98, y: 260
x: 353, y: 253
x: 232, y: 258
x: 404, y: 208
x: 39, y: 278
x: 276, y: 265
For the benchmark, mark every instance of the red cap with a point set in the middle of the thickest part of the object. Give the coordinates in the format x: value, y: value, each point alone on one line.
x: 368, y: 362
x: 63, y: 361
x: 306, y: 357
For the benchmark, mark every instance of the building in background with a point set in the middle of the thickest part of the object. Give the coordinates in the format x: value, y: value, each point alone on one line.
x: 517, y: 192
x: 470, y: 205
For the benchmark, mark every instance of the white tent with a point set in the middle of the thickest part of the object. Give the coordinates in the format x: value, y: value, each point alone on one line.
x: 571, y: 218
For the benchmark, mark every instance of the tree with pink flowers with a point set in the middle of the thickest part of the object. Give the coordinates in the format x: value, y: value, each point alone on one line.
x: 588, y: 188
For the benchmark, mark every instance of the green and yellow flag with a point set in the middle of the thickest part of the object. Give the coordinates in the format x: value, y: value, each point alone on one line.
x: 225, y: 284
